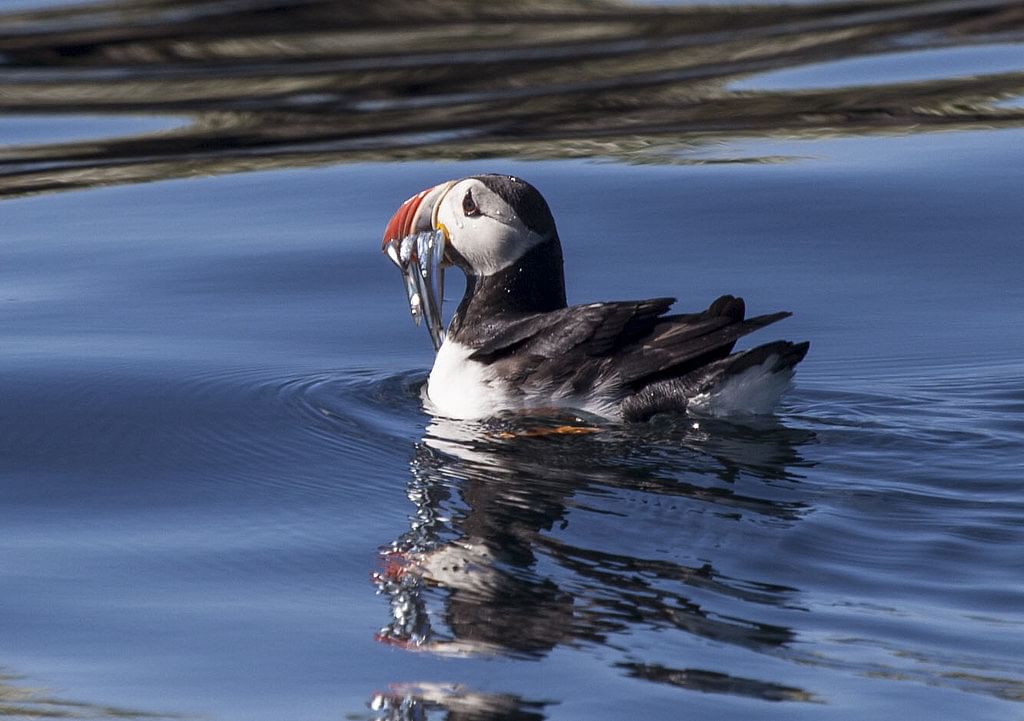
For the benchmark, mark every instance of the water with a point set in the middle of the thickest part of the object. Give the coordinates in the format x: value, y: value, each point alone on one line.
x: 221, y: 497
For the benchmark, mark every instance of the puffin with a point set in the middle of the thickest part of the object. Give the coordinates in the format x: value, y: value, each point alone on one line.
x: 515, y: 345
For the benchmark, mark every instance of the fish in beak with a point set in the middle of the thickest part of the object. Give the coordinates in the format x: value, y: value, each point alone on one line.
x: 416, y: 243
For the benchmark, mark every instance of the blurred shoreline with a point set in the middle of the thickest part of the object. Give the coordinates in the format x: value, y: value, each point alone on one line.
x: 263, y: 84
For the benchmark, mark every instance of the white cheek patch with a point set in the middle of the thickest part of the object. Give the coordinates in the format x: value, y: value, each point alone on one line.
x: 487, y: 244
x: 492, y: 246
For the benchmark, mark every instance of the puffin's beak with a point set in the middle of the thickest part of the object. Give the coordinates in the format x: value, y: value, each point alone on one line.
x: 416, y: 242
x: 417, y: 214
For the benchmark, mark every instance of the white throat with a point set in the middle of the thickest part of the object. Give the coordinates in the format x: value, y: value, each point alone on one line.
x: 462, y: 388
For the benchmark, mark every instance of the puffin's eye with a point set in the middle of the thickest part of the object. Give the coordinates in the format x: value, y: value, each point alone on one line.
x: 469, y: 206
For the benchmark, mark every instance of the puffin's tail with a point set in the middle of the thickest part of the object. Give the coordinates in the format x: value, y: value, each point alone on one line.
x: 780, y: 356
x: 746, y: 383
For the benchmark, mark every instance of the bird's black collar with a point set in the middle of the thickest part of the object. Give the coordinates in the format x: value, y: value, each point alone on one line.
x: 534, y: 284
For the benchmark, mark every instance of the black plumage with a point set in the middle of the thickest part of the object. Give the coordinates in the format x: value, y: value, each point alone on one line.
x: 514, y: 335
x: 654, y: 362
x: 516, y: 322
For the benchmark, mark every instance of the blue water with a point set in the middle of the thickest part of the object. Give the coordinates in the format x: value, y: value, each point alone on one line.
x: 220, y: 495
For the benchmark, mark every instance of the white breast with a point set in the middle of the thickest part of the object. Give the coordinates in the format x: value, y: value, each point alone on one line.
x: 467, y: 389
x: 462, y: 388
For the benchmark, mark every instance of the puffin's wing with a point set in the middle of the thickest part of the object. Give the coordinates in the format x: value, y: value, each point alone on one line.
x: 594, y: 329
x: 679, y: 345
x: 626, y: 342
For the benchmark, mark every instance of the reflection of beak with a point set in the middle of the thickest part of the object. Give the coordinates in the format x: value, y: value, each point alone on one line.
x: 417, y: 214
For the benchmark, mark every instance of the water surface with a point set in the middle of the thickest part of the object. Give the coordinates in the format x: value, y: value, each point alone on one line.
x: 221, y: 496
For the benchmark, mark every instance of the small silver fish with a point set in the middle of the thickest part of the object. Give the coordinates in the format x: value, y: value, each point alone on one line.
x: 418, y: 257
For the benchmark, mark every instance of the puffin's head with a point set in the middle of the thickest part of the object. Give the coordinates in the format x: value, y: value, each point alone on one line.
x: 489, y: 221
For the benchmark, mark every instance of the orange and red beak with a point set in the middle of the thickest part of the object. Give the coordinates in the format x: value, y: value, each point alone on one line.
x: 416, y: 241
x: 417, y: 214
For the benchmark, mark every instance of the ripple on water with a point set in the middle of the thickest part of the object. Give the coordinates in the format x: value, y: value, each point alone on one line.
x: 798, y: 538
x: 188, y: 471
x: 816, y: 539
x: 261, y: 418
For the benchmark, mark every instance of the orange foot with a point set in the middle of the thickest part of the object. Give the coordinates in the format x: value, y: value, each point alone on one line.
x: 545, y: 431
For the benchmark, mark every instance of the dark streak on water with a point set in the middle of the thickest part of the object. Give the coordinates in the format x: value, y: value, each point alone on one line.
x: 266, y: 84
x: 212, y: 447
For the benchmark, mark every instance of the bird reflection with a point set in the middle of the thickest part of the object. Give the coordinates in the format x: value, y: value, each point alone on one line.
x: 487, y: 566
x: 404, y: 702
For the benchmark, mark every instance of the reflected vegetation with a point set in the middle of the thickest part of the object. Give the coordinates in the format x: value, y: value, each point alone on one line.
x: 263, y: 83
x: 493, y: 563
x: 19, y: 700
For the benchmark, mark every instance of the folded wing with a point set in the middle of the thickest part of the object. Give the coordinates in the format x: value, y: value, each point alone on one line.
x: 625, y: 344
